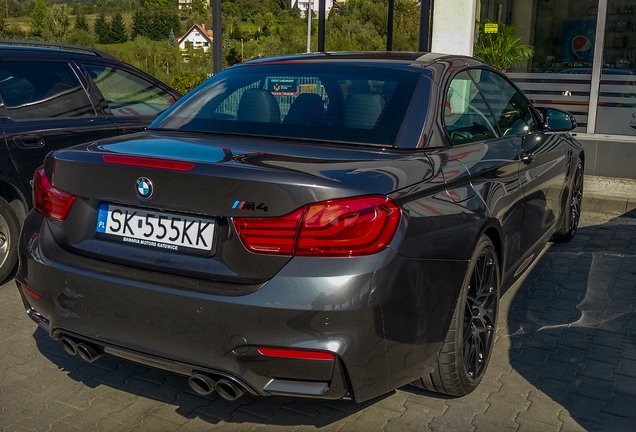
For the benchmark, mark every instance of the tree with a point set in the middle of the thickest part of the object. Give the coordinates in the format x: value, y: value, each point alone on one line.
x: 186, y: 81
x: 15, y: 8
x: 37, y: 17
x: 118, y: 29
x: 141, y: 49
x: 199, y: 7
x: 81, y: 37
x: 259, y: 20
x: 141, y: 23
x: 155, y: 4
x: 56, y: 24
x: 155, y: 24
x: 102, y: 30
x: 80, y: 22
x: 503, y: 48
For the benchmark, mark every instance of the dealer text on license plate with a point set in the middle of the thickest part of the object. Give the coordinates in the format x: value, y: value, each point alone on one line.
x: 156, y: 229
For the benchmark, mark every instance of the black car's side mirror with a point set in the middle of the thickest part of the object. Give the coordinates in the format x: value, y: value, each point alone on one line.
x: 557, y: 120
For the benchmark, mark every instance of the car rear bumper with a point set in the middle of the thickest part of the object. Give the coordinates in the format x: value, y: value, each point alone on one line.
x: 383, y: 317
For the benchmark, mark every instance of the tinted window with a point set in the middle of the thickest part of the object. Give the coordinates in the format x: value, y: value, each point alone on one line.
x: 127, y: 94
x: 510, y: 108
x: 466, y: 115
x: 42, y: 90
x: 307, y: 101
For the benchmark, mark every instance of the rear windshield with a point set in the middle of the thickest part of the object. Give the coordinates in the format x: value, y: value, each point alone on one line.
x: 357, y: 104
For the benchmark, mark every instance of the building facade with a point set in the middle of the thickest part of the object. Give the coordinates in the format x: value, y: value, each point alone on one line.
x: 184, y: 3
x: 198, y: 36
x: 584, y: 62
x: 303, y: 5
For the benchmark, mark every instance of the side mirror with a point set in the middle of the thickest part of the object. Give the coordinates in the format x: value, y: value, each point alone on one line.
x: 557, y: 120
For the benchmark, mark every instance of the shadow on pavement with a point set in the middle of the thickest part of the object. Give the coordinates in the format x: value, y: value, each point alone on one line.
x: 573, y: 326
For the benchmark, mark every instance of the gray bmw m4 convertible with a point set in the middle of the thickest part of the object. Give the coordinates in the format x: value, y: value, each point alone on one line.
x: 323, y: 225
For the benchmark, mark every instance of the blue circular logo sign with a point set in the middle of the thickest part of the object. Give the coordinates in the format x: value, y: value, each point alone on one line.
x: 144, y: 188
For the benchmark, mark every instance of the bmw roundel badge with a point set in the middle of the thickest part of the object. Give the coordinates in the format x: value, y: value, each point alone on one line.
x: 144, y: 188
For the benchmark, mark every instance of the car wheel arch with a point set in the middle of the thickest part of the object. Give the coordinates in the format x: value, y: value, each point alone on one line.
x: 492, y: 230
x: 18, y: 202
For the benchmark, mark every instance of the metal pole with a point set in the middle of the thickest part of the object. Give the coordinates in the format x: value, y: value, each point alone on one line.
x: 389, y: 31
x: 217, y: 37
x: 597, y: 66
x: 425, y: 25
x: 309, y: 26
x: 321, y: 25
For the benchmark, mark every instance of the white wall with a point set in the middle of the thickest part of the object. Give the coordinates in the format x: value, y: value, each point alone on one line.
x: 303, y: 6
x: 197, y: 40
x: 454, y: 26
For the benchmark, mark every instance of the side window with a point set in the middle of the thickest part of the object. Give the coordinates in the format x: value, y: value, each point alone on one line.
x: 127, y: 94
x: 42, y: 90
x: 511, y: 109
x: 466, y: 115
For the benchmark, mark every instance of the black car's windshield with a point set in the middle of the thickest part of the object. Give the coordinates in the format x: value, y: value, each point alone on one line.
x: 334, y: 102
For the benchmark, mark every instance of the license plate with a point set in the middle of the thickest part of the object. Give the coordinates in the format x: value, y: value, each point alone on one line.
x: 160, y: 230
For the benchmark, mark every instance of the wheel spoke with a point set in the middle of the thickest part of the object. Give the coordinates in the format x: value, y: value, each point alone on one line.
x: 480, y: 315
x: 577, y: 198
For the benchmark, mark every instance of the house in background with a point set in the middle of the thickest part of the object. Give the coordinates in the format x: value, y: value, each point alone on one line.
x: 183, y: 3
x: 303, y: 5
x: 198, y: 36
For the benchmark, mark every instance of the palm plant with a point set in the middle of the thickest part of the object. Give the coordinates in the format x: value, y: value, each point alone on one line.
x: 502, y: 49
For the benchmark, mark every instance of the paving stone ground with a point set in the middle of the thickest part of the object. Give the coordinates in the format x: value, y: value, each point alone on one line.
x: 564, y: 360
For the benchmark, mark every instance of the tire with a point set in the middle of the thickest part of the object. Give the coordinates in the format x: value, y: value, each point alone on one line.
x: 9, y: 232
x: 572, y: 210
x: 469, y: 342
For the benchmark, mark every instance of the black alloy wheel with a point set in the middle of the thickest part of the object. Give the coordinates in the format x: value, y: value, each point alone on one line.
x: 480, y: 315
x: 572, y: 211
x: 470, y: 339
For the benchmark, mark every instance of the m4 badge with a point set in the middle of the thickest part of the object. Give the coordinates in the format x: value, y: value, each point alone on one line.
x: 249, y: 205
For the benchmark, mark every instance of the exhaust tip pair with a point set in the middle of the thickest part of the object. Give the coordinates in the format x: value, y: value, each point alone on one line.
x: 204, y: 385
x: 87, y: 351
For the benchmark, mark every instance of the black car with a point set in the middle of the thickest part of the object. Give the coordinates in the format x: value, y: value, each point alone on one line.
x: 323, y: 225
x: 55, y: 98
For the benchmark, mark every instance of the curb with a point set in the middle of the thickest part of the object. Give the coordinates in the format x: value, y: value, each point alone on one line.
x: 611, y: 205
x: 609, y: 195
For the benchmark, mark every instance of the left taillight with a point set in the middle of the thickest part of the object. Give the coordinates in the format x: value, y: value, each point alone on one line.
x: 51, y: 202
x: 345, y: 227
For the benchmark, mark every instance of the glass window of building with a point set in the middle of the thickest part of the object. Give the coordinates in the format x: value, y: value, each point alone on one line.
x: 616, y: 111
x: 566, y: 34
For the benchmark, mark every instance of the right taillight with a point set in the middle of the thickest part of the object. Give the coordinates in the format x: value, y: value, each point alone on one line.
x: 344, y: 227
x: 51, y: 202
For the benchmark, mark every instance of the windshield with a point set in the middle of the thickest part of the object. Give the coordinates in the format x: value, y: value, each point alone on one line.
x: 334, y: 102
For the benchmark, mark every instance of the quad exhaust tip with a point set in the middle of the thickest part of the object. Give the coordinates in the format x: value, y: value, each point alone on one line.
x: 204, y: 385
x: 69, y: 344
x: 87, y: 351
x: 229, y: 390
x: 201, y: 383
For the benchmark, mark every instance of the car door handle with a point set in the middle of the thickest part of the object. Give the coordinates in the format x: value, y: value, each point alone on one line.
x: 527, y: 157
x: 29, y: 141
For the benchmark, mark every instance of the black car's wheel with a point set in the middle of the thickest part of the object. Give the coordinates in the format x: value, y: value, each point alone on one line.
x: 9, y: 231
x: 572, y: 210
x: 470, y: 339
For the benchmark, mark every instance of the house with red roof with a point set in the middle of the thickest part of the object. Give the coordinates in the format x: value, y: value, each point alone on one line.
x: 198, y: 36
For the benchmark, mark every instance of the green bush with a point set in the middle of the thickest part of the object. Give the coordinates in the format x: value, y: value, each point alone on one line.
x: 186, y: 81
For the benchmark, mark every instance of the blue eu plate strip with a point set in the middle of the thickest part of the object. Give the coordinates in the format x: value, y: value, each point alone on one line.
x: 102, y: 218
